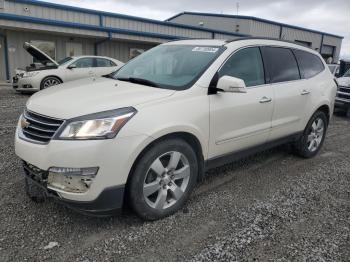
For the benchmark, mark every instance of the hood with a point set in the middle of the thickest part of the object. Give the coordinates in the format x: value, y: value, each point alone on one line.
x: 87, y: 96
x: 39, y: 55
x: 19, y: 71
x: 344, y: 81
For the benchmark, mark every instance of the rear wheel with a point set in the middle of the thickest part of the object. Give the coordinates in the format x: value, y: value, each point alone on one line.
x: 313, y: 137
x: 50, y: 81
x: 163, y: 179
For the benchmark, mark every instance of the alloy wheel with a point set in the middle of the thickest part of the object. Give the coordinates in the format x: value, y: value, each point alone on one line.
x: 166, y: 180
x: 315, y: 136
x: 51, y: 82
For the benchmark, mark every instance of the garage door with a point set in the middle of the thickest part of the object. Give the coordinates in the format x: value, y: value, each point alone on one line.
x: 328, y: 50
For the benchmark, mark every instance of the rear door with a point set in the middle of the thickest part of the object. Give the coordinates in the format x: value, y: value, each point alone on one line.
x: 104, y: 66
x: 286, y: 82
x: 314, y: 83
x: 241, y: 120
x: 81, y: 68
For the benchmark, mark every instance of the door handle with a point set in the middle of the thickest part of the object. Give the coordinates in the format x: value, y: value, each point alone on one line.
x: 305, y: 92
x: 265, y: 99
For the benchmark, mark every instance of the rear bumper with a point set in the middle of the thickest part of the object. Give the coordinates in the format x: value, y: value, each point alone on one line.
x: 108, y: 202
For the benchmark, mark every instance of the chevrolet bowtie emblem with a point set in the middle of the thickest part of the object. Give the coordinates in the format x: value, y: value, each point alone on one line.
x: 24, y: 123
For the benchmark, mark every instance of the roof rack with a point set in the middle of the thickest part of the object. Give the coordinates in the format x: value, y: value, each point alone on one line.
x: 266, y: 38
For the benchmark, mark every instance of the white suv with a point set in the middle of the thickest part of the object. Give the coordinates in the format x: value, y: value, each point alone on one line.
x: 147, y: 134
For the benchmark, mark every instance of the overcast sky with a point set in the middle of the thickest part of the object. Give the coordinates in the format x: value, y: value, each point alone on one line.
x: 332, y: 16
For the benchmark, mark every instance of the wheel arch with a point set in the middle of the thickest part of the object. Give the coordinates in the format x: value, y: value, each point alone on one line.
x: 189, y: 138
x: 325, y: 109
x: 59, y: 78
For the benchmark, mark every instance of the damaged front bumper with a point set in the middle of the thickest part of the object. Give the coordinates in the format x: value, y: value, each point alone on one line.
x: 109, y: 201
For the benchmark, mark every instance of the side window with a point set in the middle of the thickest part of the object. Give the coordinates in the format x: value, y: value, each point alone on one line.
x: 84, y: 62
x: 102, y: 62
x: 310, y: 65
x: 281, y: 63
x: 246, y: 64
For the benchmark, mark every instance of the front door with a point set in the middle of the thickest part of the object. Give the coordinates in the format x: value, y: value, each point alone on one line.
x: 241, y: 120
x: 83, y: 68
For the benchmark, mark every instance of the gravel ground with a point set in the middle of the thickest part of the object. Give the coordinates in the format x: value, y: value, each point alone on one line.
x: 272, y: 206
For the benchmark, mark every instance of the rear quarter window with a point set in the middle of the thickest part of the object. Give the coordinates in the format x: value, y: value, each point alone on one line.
x: 310, y: 64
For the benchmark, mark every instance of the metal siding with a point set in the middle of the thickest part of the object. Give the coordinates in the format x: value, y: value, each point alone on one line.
x: 223, y: 36
x: 336, y: 42
x: 135, y: 38
x: 295, y: 34
x: 154, y: 28
x: 120, y: 50
x: 49, y: 28
x: 216, y: 23
x: 264, y: 29
x: 20, y: 58
x: 50, y: 13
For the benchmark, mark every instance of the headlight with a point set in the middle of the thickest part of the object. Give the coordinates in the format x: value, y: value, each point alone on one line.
x: 104, y: 125
x: 30, y: 74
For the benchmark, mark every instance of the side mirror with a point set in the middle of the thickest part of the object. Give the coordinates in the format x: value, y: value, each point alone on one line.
x: 231, y: 84
x: 71, y: 67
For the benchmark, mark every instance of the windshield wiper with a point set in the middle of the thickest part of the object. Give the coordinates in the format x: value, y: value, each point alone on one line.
x: 109, y: 76
x: 137, y: 80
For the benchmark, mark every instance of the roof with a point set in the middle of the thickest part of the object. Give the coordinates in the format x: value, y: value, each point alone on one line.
x: 206, y: 42
x: 252, y: 40
x: 253, y: 18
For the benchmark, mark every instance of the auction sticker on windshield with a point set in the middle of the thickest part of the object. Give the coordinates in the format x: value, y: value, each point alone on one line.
x: 206, y: 49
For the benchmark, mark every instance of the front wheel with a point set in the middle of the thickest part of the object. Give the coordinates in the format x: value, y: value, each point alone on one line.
x: 313, y: 137
x: 49, y: 81
x: 163, y: 179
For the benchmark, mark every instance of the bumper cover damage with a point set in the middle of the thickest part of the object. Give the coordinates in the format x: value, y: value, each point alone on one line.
x: 109, y: 202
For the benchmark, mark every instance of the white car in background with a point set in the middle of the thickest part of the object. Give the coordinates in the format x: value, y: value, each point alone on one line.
x: 49, y: 72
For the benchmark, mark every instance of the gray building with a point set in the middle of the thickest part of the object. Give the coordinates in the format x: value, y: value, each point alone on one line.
x: 62, y: 31
x: 327, y: 44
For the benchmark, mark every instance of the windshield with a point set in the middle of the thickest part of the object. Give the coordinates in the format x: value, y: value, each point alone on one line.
x: 347, y: 73
x: 65, y: 60
x: 169, y: 66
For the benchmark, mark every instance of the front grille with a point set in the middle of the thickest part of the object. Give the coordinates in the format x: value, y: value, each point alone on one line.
x: 38, y: 127
x: 344, y: 89
x: 343, y: 92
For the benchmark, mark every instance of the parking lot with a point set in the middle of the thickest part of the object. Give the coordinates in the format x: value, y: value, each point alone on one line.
x: 272, y: 206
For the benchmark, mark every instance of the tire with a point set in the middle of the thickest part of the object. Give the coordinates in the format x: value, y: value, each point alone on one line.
x: 49, y: 81
x: 304, y: 147
x: 170, y: 183
x: 34, y: 192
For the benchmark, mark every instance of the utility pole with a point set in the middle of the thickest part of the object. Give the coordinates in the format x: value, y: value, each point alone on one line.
x: 237, y: 6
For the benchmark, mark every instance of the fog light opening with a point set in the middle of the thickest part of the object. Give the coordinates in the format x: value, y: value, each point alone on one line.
x: 73, y: 180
